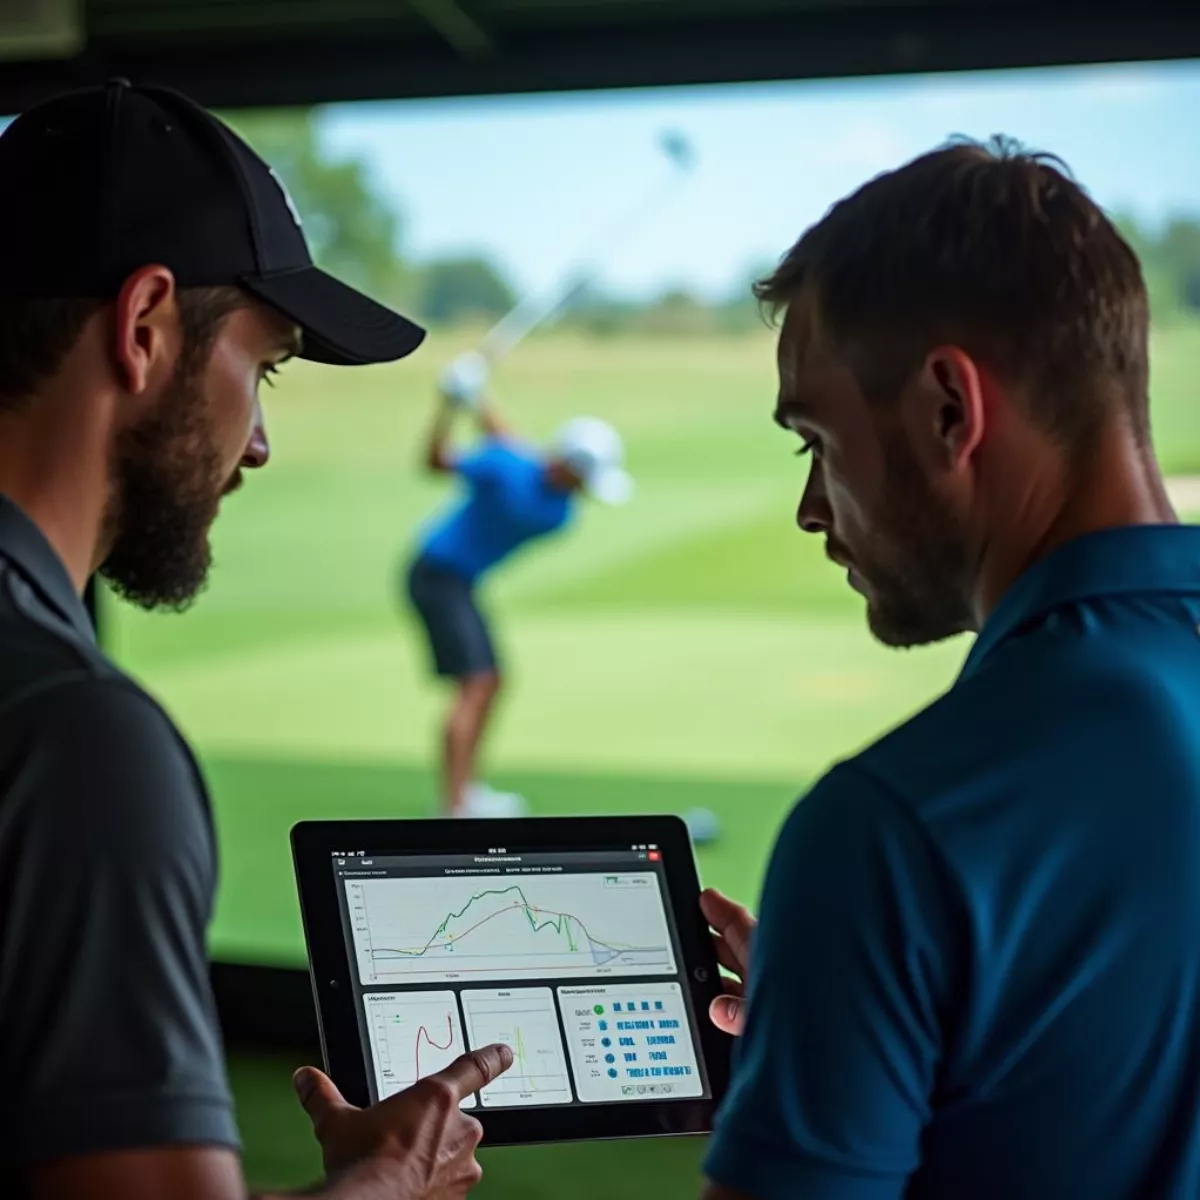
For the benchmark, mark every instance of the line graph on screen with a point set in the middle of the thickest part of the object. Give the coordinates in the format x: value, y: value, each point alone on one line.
x: 413, y: 1034
x: 413, y: 930
x: 524, y: 1020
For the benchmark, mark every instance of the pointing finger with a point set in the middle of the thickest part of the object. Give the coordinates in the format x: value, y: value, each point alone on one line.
x: 476, y: 1069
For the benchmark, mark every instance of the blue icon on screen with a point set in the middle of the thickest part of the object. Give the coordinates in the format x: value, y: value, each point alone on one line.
x: 645, y: 1006
x: 610, y: 1058
x: 606, y: 1042
x: 603, y: 1025
x: 658, y: 1005
x: 617, y: 1007
x: 612, y: 1072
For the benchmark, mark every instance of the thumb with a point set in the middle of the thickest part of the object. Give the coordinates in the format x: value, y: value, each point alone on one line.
x: 318, y: 1094
x: 726, y: 1013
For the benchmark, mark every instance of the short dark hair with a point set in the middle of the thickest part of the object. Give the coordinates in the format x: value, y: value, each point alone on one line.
x: 997, y: 250
x: 37, y: 334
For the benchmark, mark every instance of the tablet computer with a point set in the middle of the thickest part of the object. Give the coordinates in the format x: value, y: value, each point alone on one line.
x: 578, y: 942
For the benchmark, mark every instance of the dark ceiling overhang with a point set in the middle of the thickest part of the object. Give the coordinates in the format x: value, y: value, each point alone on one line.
x: 248, y: 52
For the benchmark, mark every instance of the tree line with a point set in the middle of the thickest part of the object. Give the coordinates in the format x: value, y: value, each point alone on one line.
x: 358, y: 233
x: 1170, y: 262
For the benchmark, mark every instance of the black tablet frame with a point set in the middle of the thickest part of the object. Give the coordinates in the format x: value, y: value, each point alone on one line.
x: 313, y: 846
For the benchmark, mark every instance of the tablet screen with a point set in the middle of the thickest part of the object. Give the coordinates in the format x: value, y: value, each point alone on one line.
x: 571, y: 958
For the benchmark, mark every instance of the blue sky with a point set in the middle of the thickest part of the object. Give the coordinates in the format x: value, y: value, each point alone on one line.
x: 530, y: 180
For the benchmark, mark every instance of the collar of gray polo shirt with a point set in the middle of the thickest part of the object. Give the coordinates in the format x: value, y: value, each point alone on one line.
x: 26, y: 547
x: 1131, y: 560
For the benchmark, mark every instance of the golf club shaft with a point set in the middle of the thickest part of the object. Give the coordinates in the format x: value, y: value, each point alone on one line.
x: 538, y: 307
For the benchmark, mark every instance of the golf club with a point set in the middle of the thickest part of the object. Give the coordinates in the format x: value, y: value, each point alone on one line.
x: 538, y: 307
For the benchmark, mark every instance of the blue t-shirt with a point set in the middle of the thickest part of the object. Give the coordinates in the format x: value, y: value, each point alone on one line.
x: 509, y: 502
x: 978, y: 968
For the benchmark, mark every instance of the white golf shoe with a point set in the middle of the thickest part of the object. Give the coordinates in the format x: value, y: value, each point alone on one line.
x: 482, y: 801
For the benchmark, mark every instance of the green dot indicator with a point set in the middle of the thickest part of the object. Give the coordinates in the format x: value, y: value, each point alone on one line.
x: 599, y: 1010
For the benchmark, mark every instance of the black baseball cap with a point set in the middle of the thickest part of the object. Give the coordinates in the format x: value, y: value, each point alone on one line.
x: 98, y: 183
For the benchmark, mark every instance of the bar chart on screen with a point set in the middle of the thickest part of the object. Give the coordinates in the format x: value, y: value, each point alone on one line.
x: 413, y: 1034
x: 524, y: 1020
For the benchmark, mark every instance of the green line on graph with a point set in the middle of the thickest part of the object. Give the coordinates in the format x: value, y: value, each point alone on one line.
x: 519, y: 1052
x: 559, y: 922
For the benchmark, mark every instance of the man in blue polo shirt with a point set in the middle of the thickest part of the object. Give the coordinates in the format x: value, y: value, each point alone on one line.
x: 977, y: 972
x: 513, y: 494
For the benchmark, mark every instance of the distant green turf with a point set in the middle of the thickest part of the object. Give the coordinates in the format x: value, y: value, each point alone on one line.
x: 258, y: 917
x: 1175, y: 415
x: 693, y: 649
x: 751, y: 563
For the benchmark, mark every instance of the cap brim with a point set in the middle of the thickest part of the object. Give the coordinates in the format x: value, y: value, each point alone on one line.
x: 340, y: 326
x: 611, y: 485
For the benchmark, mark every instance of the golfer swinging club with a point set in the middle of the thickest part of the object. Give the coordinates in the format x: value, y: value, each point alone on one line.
x: 513, y: 493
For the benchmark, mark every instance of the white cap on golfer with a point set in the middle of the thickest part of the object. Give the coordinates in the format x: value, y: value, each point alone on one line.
x: 594, y: 451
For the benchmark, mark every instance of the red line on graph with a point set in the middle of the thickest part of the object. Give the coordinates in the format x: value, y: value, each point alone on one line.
x: 424, y: 1033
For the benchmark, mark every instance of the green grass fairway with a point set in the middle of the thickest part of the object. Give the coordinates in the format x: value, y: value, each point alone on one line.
x: 1175, y: 415
x: 693, y: 649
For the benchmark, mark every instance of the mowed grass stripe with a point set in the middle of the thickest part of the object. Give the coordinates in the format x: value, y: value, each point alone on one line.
x: 690, y: 691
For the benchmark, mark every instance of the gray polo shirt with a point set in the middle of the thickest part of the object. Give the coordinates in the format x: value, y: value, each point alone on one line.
x: 108, y: 1033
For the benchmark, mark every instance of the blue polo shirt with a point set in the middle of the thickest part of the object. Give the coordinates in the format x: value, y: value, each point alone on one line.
x: 508, y: 503
x: 977, y: 973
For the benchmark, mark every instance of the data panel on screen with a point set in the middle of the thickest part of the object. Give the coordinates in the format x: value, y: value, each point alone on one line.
x: 412, y: 1034
x: 442, y: 929
x: 570, y: 957
x: 630, y: 1042
x: 524, y: 1020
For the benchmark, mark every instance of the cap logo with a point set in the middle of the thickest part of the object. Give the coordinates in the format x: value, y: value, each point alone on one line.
x: 287, y: 196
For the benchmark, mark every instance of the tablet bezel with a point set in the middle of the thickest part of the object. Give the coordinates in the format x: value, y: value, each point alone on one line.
x: 313, y: 846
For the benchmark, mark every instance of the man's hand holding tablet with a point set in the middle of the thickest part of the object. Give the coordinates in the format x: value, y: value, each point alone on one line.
x: 732, y: 930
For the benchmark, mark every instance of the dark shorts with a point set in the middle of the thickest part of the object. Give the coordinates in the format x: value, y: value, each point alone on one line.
x: 458, y: 634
